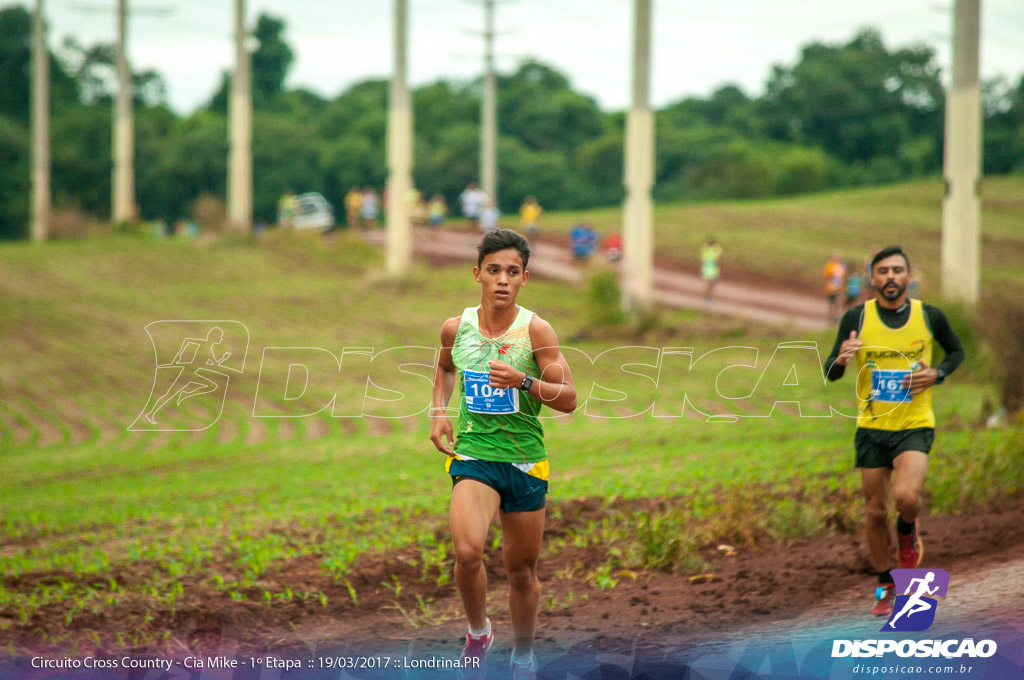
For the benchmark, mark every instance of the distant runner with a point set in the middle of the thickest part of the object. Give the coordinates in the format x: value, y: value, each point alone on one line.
x: 855, y: 286
x: 834, y: 274
x: 710, y: 253
x: 892, y: 338
x: 530, y: 213
x: 507, y: 363
x: 286, y: 206
x: 472, y: 201
x: 353, y: 205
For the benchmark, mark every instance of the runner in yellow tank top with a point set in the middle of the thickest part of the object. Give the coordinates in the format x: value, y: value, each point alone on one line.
x: 892, y: 339
x: 498, y: 465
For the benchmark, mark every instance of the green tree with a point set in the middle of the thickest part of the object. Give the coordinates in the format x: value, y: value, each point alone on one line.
x: 95, y: 72
x: 285, y: 157
x: 847, y: 113
x: 361, y: 111
x: 81, y: 140
x: 600, y: 163
x: 449, y: 164
x: 348, y: 161
x: 441, y: 104
x: 537, y: 106
x: 857, y: 101
x: 16, y: 68
x: 15, y: 62
x: 1004, y: 128
x: 179, y: 159
x: 271, y: 62
x: 14, y: 189
x: 544, y: 174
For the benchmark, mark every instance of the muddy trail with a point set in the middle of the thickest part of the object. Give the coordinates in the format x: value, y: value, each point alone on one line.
x: 394, y: 603
x: 676, y: 284
x: 782, y: 590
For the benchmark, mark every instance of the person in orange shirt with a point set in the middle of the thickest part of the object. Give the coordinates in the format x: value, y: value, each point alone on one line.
x: 835, y: 285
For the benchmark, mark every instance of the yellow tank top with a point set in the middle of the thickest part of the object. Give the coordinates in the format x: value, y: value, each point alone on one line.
x: 889, y: 352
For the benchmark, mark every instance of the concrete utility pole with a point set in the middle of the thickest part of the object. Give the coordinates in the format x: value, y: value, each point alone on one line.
x: 123, y: 200
x: 638, y: 210
x: 961, y: 207
x: 41, y: 199
x: 489, y: 111
x: 240, y: 132
x: 399, y: 235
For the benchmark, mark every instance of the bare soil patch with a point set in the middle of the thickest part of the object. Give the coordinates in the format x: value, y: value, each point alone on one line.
x: 756, y: 586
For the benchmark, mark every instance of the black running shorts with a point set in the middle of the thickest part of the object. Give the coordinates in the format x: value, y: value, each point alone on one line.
x: 878, y: 448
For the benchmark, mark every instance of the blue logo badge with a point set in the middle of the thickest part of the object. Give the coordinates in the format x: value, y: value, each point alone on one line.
x: 914, y: 610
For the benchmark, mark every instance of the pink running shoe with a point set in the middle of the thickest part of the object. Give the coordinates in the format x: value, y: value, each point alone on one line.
x: 474, y: 655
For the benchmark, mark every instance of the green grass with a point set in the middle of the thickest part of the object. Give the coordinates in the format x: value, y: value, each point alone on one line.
x: 790, y: 239
x: 93, y: 518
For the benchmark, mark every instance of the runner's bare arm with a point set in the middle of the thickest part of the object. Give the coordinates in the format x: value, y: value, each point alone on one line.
x: 444, y: 386
x: 555, y: 387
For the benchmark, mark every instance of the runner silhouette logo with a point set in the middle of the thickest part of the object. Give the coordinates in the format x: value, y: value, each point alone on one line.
x: 914, y: 610
x: 194, y: 364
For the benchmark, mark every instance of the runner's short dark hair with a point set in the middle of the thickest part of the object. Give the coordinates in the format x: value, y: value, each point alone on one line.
x: 889, y: 252
x: 502, y: 239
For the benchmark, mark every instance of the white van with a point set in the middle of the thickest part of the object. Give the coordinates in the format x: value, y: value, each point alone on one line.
x: 312, y: 211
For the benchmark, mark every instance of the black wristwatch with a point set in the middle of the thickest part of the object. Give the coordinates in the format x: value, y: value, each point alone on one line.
x: 526, y: 384
x: 941, y: 377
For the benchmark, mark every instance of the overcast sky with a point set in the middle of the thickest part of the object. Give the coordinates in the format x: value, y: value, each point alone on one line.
x: 697, y: 46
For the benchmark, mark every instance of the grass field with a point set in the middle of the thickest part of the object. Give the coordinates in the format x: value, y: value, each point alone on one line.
x: 791, y: 238
x: 101, y: 523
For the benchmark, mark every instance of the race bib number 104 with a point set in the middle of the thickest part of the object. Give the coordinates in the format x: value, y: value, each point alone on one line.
x: 482, y: 398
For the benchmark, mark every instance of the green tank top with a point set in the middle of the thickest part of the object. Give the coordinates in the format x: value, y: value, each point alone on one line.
x: 509, y: 437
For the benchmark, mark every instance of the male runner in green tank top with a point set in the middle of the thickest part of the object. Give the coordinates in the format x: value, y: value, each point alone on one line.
x: 507, y: 364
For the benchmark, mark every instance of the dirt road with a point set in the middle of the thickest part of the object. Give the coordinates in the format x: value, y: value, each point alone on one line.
x: 745, y: 297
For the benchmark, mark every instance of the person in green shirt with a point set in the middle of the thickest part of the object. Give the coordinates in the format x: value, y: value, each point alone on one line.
x: 710, y: 253
x: 507, y: 364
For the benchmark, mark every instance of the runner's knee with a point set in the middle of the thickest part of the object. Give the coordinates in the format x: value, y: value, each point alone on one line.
x: 469, y: 554
x: 907, y: 500
x: 875, y: 512
x: 522, y: 576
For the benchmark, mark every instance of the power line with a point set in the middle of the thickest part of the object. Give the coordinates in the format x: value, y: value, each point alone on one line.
x: 200, y: 28
x: 91, y: 8
x: 488, y: 106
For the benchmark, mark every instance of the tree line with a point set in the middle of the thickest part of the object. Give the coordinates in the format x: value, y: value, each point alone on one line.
x: 846, y: 114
